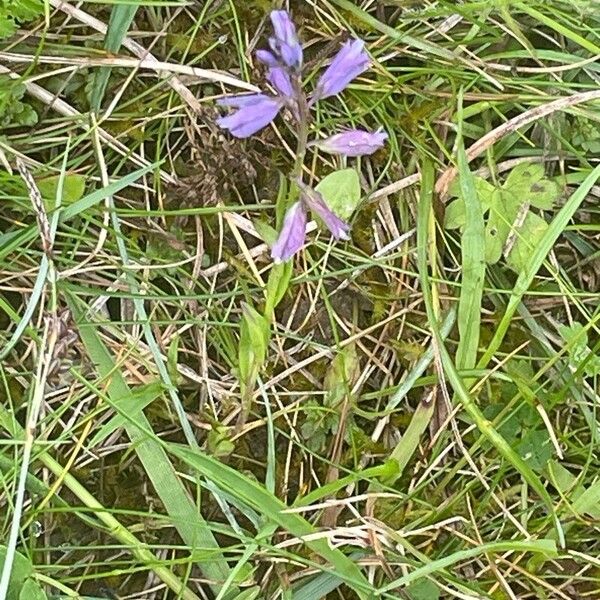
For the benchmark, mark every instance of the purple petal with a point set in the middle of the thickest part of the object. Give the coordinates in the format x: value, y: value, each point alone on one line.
x: 315, y: 202
x: 267, y: 58
x: 285, y: 43
x: 241, y: 100
x: 279, y: 78
x: 254, y: 112
x: 348, y: 63
x: 292, y: 235
x: 355, y: 142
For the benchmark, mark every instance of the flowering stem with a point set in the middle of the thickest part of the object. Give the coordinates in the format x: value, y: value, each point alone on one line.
x: 301, y: 132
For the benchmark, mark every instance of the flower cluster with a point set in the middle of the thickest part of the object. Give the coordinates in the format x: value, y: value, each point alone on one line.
x: 283, y: 61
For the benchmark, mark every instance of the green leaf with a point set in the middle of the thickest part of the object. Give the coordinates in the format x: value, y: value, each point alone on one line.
x: 577, y: 346
x: 589, y: 501
x: 536, y: 259
x: 424, y: 225
x: 423, y: 590
x: 410, y: 440
x: 561, y: 478
x: 219, y: 441
x: 503, y: 212
x: 255, y: 333
x: 21, y: 571
x: 524, y: 173
x: 546, y: 547
x: 586, y: 501
x: 138, y: 549
x: 73, y: 188
x: 455, y: 216
x: 14, y: 12
x: 473, y: 266
x: 267, y: 233
x: 133, y: 403
x: 12, y: 110
x: 100, y: 194
x: 398, y: 36
x: 249, y: 594
x: 536, y: 448
x: 173, y: 358
x: 341, y: 192
x: 121, y: 17
x: 24, y: 115
x: 277, y: 285
x: 31, y: 590
x: 341, y: 375
x: 7, y: 27
x: 576, y: 337
x: 529, y: 235
x: 527, y: 183
x: 182, y: 511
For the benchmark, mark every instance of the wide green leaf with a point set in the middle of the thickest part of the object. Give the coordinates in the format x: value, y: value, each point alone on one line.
x: 73, y: 188
x: 507, y: 207
x: 456, y: 381
x: 341, y: 191
x: 528, y: 183
x: 529, y: 235
x: 32, y: 590
x: 20, y: 573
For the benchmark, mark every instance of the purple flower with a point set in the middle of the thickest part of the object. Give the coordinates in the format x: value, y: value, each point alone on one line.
x: 284, y: 43
x: 267, y: 58
x: 280, y: 79
x: 348, y: 63
x: 354, y: 142
x: 315, y: 202
x: 292, y: 235
x: 254, y: 111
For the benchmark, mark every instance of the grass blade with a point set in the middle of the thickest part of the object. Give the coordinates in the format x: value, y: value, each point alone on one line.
x: 546, y: 547
x: 407, y: 445
x: 473, y: 263
x: 137, y: 548
x: 69, y: 212
x: 558, y: 27
x: 395, y: 35
x: 273, y: 509
x: 185, y: 515
x: 421, y: 364
x: 112, y: 188
x: 121, y: 17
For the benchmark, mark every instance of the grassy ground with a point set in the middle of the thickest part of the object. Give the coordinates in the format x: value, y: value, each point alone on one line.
x: 424, y: 424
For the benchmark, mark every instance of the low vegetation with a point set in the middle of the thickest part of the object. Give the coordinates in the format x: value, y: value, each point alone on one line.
x: 407, y: 413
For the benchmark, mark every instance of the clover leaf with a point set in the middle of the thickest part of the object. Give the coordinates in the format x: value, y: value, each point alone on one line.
x: 510, y: 226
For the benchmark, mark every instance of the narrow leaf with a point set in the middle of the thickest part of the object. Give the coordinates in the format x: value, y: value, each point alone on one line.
x: 473, y: 267
x: 121, y: 17
x: 274, y: 509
